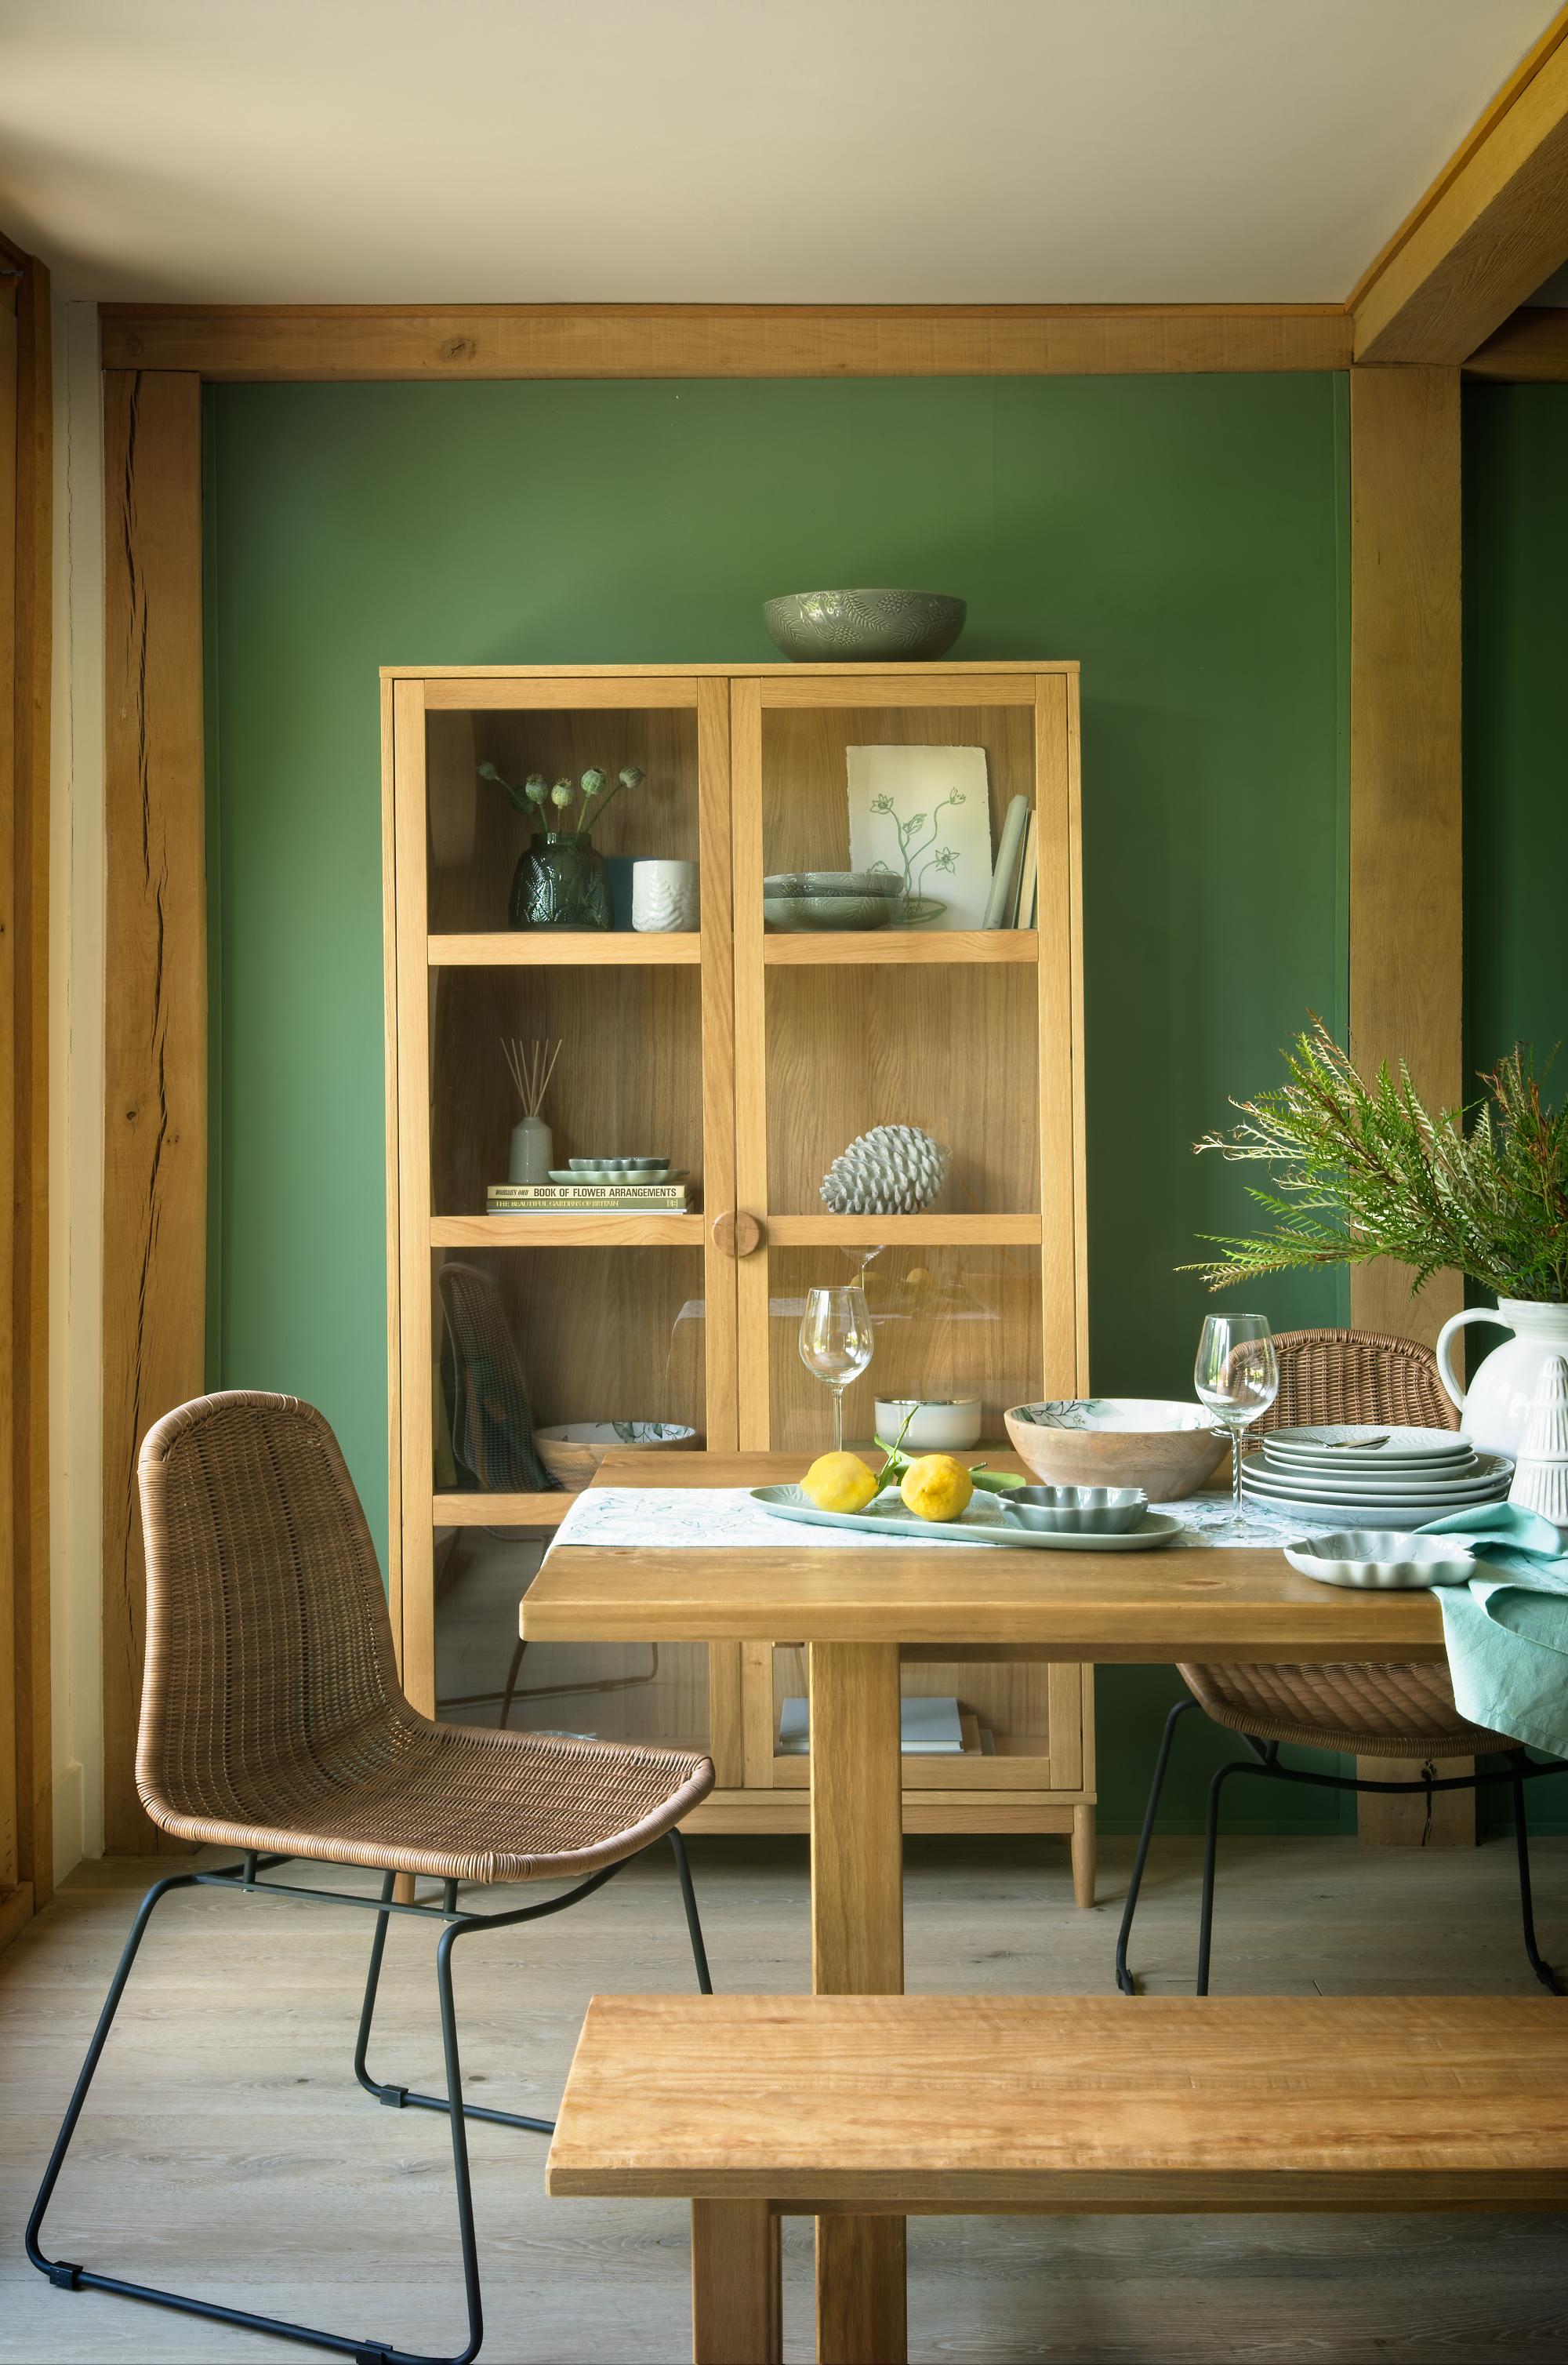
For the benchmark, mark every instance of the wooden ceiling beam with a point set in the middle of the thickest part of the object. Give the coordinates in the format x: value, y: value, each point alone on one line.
x: 244, y: 342
x: 1530, y: 348
x: 1493, y: 226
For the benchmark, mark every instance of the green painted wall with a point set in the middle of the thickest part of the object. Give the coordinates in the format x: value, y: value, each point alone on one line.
x: 1185, y: 537
x: 1516, y: 757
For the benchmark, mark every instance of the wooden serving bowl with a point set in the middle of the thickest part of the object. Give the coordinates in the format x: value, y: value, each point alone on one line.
x: 572, y: 1451
x: 1168, y: 1448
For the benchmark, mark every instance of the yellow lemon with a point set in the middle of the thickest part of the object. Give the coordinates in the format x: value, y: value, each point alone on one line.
x: 839, y: 1482
x: 937, y: 1487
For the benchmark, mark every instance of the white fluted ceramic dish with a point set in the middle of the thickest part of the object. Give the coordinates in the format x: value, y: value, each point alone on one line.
x: 1381, y: 1559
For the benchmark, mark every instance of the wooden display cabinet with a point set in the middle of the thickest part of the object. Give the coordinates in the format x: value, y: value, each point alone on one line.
x: 752, y: 1058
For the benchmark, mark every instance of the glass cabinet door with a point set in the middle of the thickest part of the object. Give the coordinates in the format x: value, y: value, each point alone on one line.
x: 934, y: 1020
x: 513, y: 1325
x: 968, y: 1032
x: 600, y: 1691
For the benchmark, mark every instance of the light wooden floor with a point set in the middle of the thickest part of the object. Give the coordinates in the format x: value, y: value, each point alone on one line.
x: 227, y: 2150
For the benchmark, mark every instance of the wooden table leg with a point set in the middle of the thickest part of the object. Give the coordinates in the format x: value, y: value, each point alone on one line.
x: 736, y: 2311
x: 1083, y: 1855
x: 857, y: 1949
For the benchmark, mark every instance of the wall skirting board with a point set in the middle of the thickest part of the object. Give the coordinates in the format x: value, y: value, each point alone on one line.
x: 70, y: 1817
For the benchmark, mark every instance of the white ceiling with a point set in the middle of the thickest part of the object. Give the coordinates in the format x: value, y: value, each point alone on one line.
x: 764, y: 150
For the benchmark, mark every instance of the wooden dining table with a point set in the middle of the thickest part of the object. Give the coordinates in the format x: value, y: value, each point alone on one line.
x: 862, y: 1612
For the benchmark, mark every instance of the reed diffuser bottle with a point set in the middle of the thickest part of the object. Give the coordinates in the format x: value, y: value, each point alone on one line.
x: 532, y: 1150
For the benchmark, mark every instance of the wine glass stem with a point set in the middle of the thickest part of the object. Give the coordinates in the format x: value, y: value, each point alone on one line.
x: 1236, y: 1469
x: 838, y: 1422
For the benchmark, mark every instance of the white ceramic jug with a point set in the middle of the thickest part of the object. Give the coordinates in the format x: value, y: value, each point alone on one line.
x: 1493, y: 1413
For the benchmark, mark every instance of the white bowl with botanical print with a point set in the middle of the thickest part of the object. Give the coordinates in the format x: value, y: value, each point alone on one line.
x: 1166, y: 1447
x: 573, y: 1450
x: 1380, y: 1557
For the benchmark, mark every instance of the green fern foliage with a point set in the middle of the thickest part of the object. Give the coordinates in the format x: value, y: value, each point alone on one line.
x: 1360, y: 1171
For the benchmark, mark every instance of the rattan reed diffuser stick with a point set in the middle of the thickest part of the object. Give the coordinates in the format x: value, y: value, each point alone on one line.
x: 531, y: 1066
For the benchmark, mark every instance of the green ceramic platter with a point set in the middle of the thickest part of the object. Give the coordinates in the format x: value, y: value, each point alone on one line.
x: 788, y: 1503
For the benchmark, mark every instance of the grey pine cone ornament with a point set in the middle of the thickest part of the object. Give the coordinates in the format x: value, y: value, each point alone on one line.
x: 894, y: 1169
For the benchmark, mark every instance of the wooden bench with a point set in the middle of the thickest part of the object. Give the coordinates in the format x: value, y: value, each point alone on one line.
x: 754, y: 2107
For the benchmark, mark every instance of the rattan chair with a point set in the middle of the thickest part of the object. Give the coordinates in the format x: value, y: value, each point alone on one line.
x: 1363, y: 1711
x: 272, y: 1722
x: 492, y: 1420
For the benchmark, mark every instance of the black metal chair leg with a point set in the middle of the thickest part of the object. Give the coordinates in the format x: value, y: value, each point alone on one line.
x: 404, y: 2098
x: 512, y: 1674
x: 458, y: 2116
x: 1124, y: 1976
x: 68, y: 2277
x: 367, y: 2009
x: 1542, y: 1969
x: 694, y: 1926
x: 1211, y: 1853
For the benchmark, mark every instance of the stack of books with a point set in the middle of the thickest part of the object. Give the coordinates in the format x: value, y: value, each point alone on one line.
x: 928, y: 1727
x: 1014, y: 882
x: 628, y: 1198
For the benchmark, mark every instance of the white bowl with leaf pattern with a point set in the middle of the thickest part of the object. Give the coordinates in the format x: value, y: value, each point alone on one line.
x: 1166, y: 1447
x: 573, y: 1450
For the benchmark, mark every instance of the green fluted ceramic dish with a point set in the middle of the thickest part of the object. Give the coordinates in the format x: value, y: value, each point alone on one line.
x: 834, y: 882
x: 800, y: 913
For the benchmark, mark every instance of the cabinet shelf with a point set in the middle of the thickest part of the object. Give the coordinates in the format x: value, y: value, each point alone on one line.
x: 912, y: 1231
x: 566, y: 1231
x: 499, y: 1510
x: 564, y: 948
x: 895, y: 947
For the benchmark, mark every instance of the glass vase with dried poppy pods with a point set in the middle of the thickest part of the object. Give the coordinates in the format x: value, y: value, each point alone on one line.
x: 560, y: 881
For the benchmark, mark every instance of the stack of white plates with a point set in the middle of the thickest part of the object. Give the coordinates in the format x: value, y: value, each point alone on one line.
x: 1367, y: 1476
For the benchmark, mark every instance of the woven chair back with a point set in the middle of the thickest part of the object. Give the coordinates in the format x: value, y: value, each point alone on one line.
x: 1379, y: 1711
x: 492, y: 1422
x: 1356, y: 1375
x: 270, y: 1671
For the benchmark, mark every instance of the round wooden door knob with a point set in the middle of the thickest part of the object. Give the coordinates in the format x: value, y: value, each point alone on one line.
x: 736, y: 1234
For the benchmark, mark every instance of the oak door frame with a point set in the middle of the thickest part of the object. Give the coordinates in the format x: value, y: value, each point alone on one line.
x: 156, y: 1195
x: 27, y: 1776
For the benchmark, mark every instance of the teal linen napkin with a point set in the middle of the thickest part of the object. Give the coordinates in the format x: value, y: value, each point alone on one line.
x: 1508, y: 1635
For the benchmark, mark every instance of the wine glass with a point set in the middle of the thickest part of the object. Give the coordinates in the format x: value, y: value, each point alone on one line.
x: 1238, y: 1376
x: 836, y: 1344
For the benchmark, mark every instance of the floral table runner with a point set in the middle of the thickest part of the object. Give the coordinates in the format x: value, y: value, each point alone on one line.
x: 725, y: 1517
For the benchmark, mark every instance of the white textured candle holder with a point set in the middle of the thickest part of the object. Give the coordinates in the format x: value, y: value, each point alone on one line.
x: 664, y: 897
x: 1540, y: 1474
